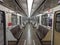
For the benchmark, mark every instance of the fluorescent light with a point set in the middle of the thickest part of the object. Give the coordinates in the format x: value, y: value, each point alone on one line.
x: 11, y: 11
x: 19, y: 14
x: 29, y: 6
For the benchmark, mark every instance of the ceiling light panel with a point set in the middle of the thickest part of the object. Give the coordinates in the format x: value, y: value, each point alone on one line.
x: 29, y: 6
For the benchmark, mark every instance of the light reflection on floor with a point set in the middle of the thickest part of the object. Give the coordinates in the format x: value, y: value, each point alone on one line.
x: 29, y: 36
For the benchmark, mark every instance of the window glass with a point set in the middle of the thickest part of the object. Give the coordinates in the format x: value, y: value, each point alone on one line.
x: 58, y: 22
x: 49, y: 22
x: 20, y: 20
x: 14, y: 19
x: 38, y: 19
x: 44, y: 20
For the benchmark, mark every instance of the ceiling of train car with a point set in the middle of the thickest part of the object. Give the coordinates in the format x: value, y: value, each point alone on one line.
x: 20, y: 6
x: 24, y: 5
x: 39, y: 6
x: 36, y: 4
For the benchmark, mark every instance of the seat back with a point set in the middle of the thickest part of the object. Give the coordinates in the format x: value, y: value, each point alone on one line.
x: 16, y: 31
x: 42, y: 31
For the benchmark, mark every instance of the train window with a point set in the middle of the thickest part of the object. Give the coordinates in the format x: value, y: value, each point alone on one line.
x: 20, y: 20
x: 49, y: 21
x: 38, y: 19
x: 2, y: 28
x: 58, y: 22
x: 14, y: 19
x: 44, y: 20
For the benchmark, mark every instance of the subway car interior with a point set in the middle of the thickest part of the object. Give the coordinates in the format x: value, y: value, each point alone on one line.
x: 29, y: 22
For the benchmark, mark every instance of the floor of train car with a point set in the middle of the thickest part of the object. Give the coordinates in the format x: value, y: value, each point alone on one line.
x: 29, y: 36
